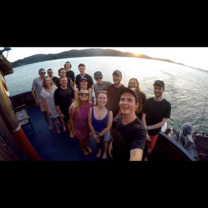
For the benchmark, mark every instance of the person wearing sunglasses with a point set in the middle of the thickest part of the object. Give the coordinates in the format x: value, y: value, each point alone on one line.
x: 37, y: 87
x: 100, y: 122
x: 83, y: 84
x: 78, y: 112
x: 100, y: 85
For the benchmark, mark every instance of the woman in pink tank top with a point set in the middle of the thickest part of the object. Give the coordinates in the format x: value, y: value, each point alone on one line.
x: 78, y: 112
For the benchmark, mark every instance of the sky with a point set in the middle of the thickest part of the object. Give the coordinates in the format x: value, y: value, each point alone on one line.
x: 192, y: 56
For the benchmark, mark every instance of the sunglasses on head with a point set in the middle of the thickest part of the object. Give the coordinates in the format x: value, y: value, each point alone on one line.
x: 43, y: 72
x: 82, y: 94
x: 97, y: 78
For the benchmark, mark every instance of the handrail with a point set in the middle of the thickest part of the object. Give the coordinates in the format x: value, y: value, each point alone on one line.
x: 178, y: 147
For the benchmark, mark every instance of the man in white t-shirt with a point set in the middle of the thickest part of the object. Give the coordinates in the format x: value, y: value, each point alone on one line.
x: 37, y: 87
x: 100, y: 85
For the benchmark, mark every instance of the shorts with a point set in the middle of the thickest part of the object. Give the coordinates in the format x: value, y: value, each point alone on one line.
x: 106, y: 136
x: 42, y: 107
x: 66, y: 117
x: 151, y: 145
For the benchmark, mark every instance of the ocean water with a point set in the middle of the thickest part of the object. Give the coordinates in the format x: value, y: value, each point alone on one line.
x: 186, y: 88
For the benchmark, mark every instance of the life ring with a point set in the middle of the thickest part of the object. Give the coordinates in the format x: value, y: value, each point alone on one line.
x: 5, y: 86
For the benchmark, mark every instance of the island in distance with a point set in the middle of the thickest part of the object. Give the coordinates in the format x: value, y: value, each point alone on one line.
x: 83, y: 53
x: 75, y: 53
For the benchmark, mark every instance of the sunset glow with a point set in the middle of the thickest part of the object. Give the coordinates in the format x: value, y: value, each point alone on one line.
x: 191, y: 56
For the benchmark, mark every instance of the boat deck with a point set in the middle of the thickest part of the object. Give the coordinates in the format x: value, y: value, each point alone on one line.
x: 52, y: 146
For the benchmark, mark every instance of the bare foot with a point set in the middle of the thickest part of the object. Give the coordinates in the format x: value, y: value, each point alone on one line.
x: 99, y: 153
x: 104, y: 156
x: 71, y: 135
x: 89, y: 150
x: 145, y: 159
x: 58, y: 131
x: 49, y: 126
x: 64, y: 128
x: 85, y: 152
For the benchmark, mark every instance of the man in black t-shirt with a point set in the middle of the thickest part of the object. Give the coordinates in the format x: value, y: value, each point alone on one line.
x: 69, y: 72
x: 50, y: 74
x: 62, y: 72
x: 156, y: 111
x: 83, y: 74
x: 63, y: 97
x: 129, y: 134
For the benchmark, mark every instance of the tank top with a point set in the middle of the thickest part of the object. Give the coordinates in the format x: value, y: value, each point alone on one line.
x: 98, y: 125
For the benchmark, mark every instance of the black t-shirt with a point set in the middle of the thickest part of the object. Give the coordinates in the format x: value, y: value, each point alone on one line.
x: 127, y: 137
x: 88, y: 77
x: 63, y: 98
x: 155, y: 112
x: 71, y: 75
x: 69, y: 84
x: 54, y: 79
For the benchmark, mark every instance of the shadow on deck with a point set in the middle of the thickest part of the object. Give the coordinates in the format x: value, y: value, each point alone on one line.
x: 55, y: 147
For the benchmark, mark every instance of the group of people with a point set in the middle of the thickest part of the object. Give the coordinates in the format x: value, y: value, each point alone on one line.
x: 120, y: 116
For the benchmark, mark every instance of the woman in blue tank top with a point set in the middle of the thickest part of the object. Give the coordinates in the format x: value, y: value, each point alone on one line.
x: 100, y: 121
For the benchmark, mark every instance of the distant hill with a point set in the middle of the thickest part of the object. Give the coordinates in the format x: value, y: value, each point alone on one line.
x: 73, y: 54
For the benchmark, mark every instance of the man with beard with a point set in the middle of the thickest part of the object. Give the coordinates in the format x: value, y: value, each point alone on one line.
x: 114, y: 97
x: 50, y: 74
x: 156, y: 111
x: 62, y: 72
x: 37, y: 87
x: 129, y: 135
x: 63, y: 97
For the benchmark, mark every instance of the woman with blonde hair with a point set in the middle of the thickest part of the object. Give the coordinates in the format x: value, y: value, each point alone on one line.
x: 134, y: 85
x: 47, y: 94
x: 78, y: 112
x: 100, y: 122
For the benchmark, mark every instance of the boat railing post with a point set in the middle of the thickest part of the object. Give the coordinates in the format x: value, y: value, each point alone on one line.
x: 189, y: 142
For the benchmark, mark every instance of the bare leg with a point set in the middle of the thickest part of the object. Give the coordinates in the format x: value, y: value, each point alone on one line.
x: 55, y: 124
x: 149, y: 151
x: 46, y: 118
x: 62, y: 123
x: 87, y: 142
x: 105, y: 148
x: 99, y: 153
x: 81, y: 145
